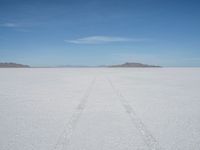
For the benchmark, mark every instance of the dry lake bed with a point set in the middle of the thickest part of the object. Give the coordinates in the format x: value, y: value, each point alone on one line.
x: 100, y: 109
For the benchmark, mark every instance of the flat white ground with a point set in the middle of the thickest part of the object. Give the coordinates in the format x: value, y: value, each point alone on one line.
x: 100, y: 109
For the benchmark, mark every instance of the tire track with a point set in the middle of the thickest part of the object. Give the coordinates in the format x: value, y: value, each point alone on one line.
x: 148, y: 138
x: 65, y: 136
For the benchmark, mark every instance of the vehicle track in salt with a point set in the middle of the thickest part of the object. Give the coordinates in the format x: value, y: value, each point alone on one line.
x: 65, y: 136
x: 148, y: 138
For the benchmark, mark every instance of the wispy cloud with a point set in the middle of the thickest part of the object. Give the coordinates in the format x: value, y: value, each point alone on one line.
x: 15, y: 26
x: 102, y: 40
x: 9, y: 25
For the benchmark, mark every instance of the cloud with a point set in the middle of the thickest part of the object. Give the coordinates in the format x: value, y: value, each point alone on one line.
x: 15, y: 26
x: 102, y: 40
x: 9, y: 25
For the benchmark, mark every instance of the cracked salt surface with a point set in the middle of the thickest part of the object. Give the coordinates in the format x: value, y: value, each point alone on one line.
x: 100, y: 108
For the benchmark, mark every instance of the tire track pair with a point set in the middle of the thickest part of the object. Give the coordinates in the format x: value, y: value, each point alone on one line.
x: 148, y: 138
x: 65, y: 136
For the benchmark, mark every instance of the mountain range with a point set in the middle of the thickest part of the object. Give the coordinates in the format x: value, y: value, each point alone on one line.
x: 125, y: 65
x: 133, y: 65
x: 13, y: 65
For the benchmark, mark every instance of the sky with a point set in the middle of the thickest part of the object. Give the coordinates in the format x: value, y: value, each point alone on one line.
x: 100, y: 32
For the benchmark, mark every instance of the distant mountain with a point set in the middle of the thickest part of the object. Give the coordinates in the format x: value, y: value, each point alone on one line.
x: 125, y: 65
x: 13, y: 65
x: 133, y: 65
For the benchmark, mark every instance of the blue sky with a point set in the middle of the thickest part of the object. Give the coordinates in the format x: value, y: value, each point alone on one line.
x: 98, y: 32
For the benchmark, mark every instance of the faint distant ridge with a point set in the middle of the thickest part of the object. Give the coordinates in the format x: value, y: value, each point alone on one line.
x: 133, y: 65
x: 13, y: 65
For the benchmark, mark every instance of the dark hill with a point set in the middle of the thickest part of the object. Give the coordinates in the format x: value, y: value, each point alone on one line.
x: 133, y: 64
x: 13, y: 65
